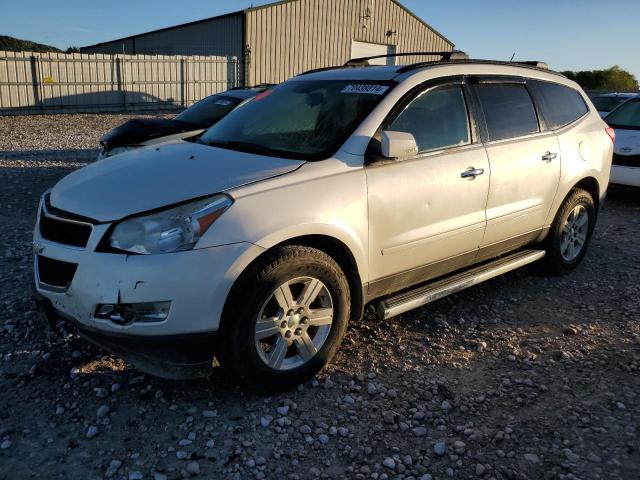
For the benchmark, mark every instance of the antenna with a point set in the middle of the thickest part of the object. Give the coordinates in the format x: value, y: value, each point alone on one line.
x: 512, y: 57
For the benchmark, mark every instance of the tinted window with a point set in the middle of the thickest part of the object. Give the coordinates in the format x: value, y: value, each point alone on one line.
x: 559, y: 105
x: 625, y: 116
x: 437, y: 119
x: 606, y: 104
x: 508, y: 109
x: 209, y: 110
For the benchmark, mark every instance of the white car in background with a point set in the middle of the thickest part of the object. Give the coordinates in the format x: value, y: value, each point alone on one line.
x: 625, y: 120
x: 607, y: 102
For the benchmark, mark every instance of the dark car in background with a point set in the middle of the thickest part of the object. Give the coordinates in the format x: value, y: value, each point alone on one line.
x: 142, y: 132
x: 605, y: 103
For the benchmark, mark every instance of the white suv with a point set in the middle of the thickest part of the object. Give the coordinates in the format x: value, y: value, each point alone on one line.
x: 261, y: 240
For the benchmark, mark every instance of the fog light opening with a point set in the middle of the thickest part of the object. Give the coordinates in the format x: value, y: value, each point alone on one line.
x: 128, y: 313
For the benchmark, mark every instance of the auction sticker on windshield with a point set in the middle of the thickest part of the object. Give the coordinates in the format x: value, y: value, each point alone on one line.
x: 365, y: 88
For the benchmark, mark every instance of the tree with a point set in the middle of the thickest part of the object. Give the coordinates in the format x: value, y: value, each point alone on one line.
x: 13, y: 44
x: 614, y: 78
x: 72, y: 50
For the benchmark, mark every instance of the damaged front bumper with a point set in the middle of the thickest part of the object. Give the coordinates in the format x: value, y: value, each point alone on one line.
x: 177, y: 357
x: 93, y: 289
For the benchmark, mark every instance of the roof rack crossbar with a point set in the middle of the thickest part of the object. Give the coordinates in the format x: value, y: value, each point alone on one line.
x: 364, y: 61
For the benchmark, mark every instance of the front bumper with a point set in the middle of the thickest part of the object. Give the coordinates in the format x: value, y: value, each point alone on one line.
x: 175, y: 357
x: 195, y: 282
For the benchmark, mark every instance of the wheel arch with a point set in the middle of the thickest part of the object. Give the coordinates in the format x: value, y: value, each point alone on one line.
x: 333, y: 247
x: 588, y: 183
x: 591, y: 185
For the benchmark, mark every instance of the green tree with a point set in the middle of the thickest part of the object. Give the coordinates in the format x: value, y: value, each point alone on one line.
x: 614, y: 78
x: 72, y: 50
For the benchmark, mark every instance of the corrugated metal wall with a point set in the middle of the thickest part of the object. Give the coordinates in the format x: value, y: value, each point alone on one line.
x: 58, y: 82
x: 219, y: 36
x: 291, y: 37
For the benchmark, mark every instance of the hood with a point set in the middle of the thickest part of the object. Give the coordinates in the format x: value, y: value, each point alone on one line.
x: 139, y: 130
x: 149, y: 178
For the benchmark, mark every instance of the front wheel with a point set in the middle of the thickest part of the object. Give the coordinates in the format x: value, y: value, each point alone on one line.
x: 285, y: 319
x: 571, y: 232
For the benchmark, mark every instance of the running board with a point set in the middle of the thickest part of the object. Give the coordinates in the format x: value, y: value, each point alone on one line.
x: 420, y: 296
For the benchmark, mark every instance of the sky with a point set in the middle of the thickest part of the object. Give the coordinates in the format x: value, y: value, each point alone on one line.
x: 567, y: 34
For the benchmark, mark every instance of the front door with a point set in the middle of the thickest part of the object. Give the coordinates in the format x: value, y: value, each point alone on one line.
x: 525, y: 164
x: 428, y: 209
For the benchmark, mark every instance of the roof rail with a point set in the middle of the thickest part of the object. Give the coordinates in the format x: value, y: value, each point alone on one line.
x: 444, y: 56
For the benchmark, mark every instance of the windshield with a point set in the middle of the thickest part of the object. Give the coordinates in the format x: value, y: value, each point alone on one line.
x: 209, y: 110
x: 626, y: 116
x: 307, y: 119
x: 606, y: 104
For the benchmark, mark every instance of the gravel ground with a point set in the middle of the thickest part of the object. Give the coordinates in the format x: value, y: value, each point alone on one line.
x: 523, y: 377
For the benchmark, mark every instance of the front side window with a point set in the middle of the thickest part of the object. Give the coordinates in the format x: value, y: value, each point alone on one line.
x: 626, y: 116
x: 560, y: 105
x: 437, y: 119
x: 303, y: 119
x: 508, y: 110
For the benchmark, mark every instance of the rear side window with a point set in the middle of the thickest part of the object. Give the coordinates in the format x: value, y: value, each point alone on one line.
x: 508, y: 110
x: 559, y: 105
x: 437, y: 119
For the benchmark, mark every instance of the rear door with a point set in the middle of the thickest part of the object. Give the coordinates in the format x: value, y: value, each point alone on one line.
x: 427, y: 210
x: 524, y: 160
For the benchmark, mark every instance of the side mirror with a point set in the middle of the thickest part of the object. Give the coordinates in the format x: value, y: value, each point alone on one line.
x: 398, y: 145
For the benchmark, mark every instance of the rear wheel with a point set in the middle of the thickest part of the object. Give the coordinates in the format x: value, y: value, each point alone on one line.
x: 285, y: 319
x: 571, y: 232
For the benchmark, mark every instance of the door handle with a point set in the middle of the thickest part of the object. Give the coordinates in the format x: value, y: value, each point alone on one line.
x: 548, y: 157
x: 471, y: 173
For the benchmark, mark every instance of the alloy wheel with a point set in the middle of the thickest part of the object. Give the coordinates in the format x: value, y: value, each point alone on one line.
x: 574, y: 233
x: 294, y: 323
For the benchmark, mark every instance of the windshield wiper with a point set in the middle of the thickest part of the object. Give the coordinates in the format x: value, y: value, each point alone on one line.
x: 245, y: 147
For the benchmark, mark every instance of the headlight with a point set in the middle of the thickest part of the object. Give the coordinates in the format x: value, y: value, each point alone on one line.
x: 173, y: 230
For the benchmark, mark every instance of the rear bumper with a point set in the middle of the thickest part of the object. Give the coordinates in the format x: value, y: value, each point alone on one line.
x: 169, y: 356
x: 629, y: 176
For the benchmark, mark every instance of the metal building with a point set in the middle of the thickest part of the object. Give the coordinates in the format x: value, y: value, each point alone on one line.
x: 280, y: 40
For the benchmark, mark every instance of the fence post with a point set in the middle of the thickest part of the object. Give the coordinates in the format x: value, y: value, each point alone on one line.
x: 36, y: 83
x: 183, y: 78
x: 247, y: 64
x: 123, y: 82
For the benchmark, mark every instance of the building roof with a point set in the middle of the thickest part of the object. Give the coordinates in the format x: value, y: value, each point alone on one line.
x: 242, y: 12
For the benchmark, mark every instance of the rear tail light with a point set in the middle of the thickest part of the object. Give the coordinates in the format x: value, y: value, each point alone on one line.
x: 612, y: 134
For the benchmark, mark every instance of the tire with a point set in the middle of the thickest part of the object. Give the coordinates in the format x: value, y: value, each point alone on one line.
x: 565, y: 250
x: 251, y: 351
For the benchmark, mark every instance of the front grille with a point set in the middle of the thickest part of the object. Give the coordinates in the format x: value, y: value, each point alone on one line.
x: 626, y: 160
x: 55, y: 273
x: 65, y: 231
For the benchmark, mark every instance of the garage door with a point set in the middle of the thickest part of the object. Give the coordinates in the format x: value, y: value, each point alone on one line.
x: 363, y: 49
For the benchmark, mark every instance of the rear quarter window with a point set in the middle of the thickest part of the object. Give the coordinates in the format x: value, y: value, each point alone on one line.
x: 508, y: 110
x: 559, y: 105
